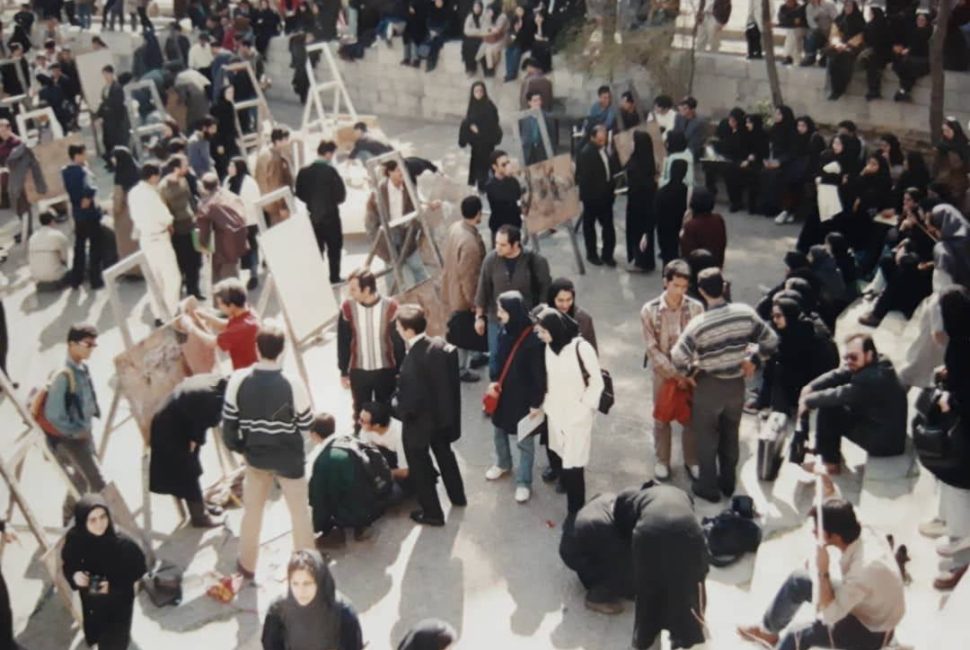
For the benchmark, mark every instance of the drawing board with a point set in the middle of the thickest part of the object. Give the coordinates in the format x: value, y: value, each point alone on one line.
x: 551, y: 194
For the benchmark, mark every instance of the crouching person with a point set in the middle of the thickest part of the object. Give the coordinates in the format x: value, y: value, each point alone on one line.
x: 350, y: 486
x: 378, y: 428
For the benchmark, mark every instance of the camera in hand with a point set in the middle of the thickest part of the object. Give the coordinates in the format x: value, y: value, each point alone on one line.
x: 95, y: 582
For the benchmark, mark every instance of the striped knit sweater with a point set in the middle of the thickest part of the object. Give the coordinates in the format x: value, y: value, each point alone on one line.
x: 717, y: 341
x: 264, y: 416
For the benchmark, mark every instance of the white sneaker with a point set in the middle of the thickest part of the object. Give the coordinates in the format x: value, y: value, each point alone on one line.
x: 783, y: 218
x: 495, y: 472
x: 693, y: 471
x: 951, y: 549
x: 522, y: 494
x: 661, y: 471
x: 933, y: 528
x: 618, y: 38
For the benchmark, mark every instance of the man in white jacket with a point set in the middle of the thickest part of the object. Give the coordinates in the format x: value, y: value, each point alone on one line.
x: 153, y: 228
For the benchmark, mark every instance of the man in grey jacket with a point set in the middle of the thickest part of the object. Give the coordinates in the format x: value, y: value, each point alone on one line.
x: 862, y: 400
x: 508, y: 267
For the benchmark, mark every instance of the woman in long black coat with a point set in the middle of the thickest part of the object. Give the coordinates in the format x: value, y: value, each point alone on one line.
x: 592, y: 547
x: 225, y: 145
x: 641, y: 220
x: 102, y: 565
x: 178, y: 432
x: 481, y: 131
x: 670, y: 562
x: 523, y: 389
x: 670, y: 204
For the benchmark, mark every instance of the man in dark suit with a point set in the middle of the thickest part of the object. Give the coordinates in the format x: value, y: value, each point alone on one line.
x: 429, y: 407
x: 595, y: 168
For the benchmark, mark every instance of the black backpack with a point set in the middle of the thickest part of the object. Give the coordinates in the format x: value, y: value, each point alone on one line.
x: 732, y: 533
x: 372, y: 475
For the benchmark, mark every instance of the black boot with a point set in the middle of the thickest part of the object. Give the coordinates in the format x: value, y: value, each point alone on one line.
x: 199, y: 517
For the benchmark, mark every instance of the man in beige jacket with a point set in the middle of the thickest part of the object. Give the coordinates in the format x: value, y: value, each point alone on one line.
x: 463, y: 257
x: 273, y: 171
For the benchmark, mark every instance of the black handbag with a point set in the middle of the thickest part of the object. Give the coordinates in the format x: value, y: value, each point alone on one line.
x: 461, y: 332
x: 933, y: 429
x: 607, y: 397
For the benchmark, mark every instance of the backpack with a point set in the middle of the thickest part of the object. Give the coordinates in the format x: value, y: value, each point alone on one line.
x: 732, y: 533
x: 372, y: 475
x: 37, y: 402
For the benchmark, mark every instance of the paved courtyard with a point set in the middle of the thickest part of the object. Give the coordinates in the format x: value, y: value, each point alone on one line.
x: 493, y: 571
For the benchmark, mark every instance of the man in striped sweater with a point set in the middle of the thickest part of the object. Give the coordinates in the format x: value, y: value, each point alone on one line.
x: 719, y: 349
x: 265, y: 416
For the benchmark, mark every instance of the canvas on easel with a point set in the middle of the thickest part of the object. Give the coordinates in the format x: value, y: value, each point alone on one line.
x: 317, y: 115
x: 249, y: 140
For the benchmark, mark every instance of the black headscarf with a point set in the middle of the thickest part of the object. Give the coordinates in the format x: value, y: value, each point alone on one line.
x: 514, y: 305
x: 791, y: 309
x: 562, y: 284
x: 757, y: 139
x: 242, y: 171
x: 97, y: 548
x: 429, y: 634
x: 641, y: 169
x: 701, y: 202
x: 850, y: 24
x: 676, y: 142
x: 561, y: 328
x: 127, y: 172
x: 783, y: 134
x: 955, y: 307
x: 678, y: 172
x: 959, y: 143
x: 316, y: 625
x: 483, y: 114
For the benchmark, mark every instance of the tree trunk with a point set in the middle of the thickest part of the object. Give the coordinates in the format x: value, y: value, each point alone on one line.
x: 937, y: 76
x: 768, y: 45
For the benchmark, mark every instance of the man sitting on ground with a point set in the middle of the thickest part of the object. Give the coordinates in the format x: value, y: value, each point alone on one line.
x: 48, y: 251
x: 862, y: 400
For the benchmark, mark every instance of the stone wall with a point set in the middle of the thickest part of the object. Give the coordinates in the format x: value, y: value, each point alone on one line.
x: 379, y: 84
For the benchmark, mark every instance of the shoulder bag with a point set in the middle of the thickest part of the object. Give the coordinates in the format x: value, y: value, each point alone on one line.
x: 607, y: 397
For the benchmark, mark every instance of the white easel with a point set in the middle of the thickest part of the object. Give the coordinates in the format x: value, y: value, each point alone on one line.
x: 315, y: 116
x: 138, y: 130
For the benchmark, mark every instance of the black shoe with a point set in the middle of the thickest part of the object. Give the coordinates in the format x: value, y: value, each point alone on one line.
x: 419, y: 517
x: 727, y: 490
x: 787, y: 61
x: 406, y: 62
x: 560, y: 488
x: 416, y: 63
x: 459, y: 503
x: 873, y: 95
x: 807, y: 62
x: 158, y: 322
x: 549, y: 475
x: 95, y: 285
x: 594, y: 260
x: 822, y: 62
x: 610, y: 262
x: 902, y: 96
x: 336, y: 280
x: 479, y: 361
x: 713, y: 497
x: 253, y: 283
x: 735, y: 207
x: 468, y: 377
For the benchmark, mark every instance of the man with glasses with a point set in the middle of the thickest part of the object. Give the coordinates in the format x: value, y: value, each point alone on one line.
x: 503, y: 192
x: 863, y: 400
x: 69, y: 408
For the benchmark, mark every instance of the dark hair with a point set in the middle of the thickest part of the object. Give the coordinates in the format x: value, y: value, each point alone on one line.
x: 676, y: 269
x: 868, y: 343
x: 380, y: 413
x: 108, y: 68
x: 75, y: 150
x: 365, y: 279
x: 688, y: 101
x: 711, y: 282
x: 493, y: 158
x: 512, y: 234
x: 47, y: 217
x: 323, y: 425
x: 80, y: 331
x: 603, y: 89
x: 838, y: 518
x: 663, y: 101
x: 302, y: 560
x: 534, y: 93
x: 148, y: 170
x: 389, y: 166
x: 628, y: 96
x: 175, y: 162
x: 270, y: 340
x: 676, y: 142
x: 205, y: 123
x: 848, y: 125
x: 471, y: 206
x: 230, y: 291
x: 361, y: 126
x: 411, y: 317
x: 326, y: 147
x: 279, y: 134
x: 176, y: 145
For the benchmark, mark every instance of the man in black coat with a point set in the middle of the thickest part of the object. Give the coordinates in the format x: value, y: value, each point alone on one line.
x: 429, y: 407
x: 319, y: 186
x: 595, y: 168
x: 114, y: 116
x: 178, y: 431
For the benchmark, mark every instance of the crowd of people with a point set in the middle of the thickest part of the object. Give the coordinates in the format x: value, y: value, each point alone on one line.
x: 876, y: 221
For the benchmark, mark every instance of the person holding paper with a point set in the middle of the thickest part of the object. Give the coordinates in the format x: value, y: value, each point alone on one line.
x: 521, y: 387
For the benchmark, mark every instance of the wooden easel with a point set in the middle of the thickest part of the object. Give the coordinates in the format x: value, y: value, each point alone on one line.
x: 532, y: 238
x: 252, y: 141
x: 375, y: 169
x: 315, y: 116
x: 140, y: 131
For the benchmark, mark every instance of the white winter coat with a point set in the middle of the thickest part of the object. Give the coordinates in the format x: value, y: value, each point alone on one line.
x: 570, y: 404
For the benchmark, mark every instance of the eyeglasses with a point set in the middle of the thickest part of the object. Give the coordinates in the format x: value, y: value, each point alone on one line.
x: 87, y: 343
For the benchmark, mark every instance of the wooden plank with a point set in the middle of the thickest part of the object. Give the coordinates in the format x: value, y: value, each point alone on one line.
x: 51, y: 156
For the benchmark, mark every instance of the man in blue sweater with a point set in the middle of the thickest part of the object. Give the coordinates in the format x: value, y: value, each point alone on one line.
x: 79, y: 183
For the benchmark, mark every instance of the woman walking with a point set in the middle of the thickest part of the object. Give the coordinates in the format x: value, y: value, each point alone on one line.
x: 641, y: 221
x: 573, y: 389
x: 480, y: 130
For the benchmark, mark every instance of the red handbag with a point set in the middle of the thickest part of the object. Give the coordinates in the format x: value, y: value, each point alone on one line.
x: 673, y: 403
x: 489, y: 399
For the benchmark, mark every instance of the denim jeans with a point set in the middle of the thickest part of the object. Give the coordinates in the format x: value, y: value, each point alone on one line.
x: 815, y: 40
x: 492, y: 331
x: 396, y: 23
x: 415, y: 267
x: 847, y: 633
x: 527, y: 452
x: 513, y: 55
x: 84, y: 16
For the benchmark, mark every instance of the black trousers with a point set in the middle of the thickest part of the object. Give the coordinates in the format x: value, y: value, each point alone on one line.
x: 87, y: 232
x: 836, y: 422
x: 840, y: 69
x: 573, y: 480
x: 330, y: 239
x: 189, y: 261
x: 874, y: 63
x: 422, y: 470
x: 600, y: 211
x: 909, y: 69
x: 371, y: 386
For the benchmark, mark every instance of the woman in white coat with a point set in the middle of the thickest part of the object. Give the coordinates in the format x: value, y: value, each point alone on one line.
x: 573, y: 389
x: 241, y: 183
x: 153, y: 228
